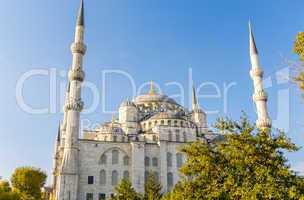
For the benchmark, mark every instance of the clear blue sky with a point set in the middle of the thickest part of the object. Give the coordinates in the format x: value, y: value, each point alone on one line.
x: 156, y: 40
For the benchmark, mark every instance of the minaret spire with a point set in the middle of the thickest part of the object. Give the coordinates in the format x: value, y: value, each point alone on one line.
x: 194, y: 98
x: 68, y: 177
x: 259, y: 96
x: 80, y: 18
x: 253, y: 48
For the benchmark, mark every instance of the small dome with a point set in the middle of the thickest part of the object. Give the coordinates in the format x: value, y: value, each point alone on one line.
x: 127, y: 103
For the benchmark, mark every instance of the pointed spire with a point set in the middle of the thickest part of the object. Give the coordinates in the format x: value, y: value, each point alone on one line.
x: 152, y: 91
x: 80, y: 18
x: 58, y: 134
x: 194, y: 98
x: 68, y: 87
x: 253, y: 48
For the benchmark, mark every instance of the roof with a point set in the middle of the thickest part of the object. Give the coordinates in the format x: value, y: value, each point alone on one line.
x: 166, y: 115
x: 147, y: 98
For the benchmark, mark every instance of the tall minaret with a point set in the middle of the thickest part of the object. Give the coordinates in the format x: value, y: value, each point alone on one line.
x: 68, y: 181
x: 194, y: 98
x: 259, y: 96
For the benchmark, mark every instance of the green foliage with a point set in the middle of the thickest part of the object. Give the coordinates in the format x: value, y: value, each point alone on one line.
x: 299, y: 49
x: 28, y: 181
x: 299, y: 45
x: 247, y: 164
x: 5, y: 186
x: 125, y: 191
x: 6, y: 192
x: 152, y: 188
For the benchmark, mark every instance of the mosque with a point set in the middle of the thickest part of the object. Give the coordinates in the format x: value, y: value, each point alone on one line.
x: 146, y: 137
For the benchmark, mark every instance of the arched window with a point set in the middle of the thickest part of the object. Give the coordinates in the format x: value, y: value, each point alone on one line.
x: 185, y: 136
x: 146, y: 176
x: 114, y: 177
x: 126, y: 160
x: 177, y: 137
x: 179, y: 160
x: 156, y: 177
x: 162, y: 122
x: 105, y: 138
x: 147, y: 161
x: 102, y: 177
x: 154, y: 162
x: 170, y: 180
x: 103, y: 159
x: 169, y: 122
x: 115, y: 138
x: 169, y: 159
x: 154, y: 138
x: 126, y: 175
x: 115, y: 156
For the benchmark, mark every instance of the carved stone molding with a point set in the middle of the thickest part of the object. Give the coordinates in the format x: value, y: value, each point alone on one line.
x: 76, y: 74
x: 78, y: 47
x: 256, y: 72
x: 76, y: 105
x: 263, y: 123
x: 260, y: 96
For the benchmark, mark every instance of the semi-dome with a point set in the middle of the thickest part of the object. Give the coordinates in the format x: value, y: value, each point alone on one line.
x: 166, y: 115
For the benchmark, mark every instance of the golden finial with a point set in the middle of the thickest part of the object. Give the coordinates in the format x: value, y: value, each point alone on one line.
x: 113, y: 120
x: 152, y: 88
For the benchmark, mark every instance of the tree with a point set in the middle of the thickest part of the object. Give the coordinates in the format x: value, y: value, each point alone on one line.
x: 125, y: 191
x: 28, y: 181
x: 247, y: 164
x: 6, y: 192
x: 152, y: 188
x: 299, y: 49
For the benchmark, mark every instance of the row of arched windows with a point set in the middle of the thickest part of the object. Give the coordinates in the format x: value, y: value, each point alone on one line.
x: 114, y: 177
x: 148, y: 162
x: 115, y: 158
x: 168, y: 122
x: 179, y: 159
x: 177, y: 136
x: 154, y: 163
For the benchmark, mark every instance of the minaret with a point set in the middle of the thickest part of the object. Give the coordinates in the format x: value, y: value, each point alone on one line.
x: 68, y: 181
x: 259, y: 97
x: 194, y: 98
x: 56, y: 158
x: 198, y: 115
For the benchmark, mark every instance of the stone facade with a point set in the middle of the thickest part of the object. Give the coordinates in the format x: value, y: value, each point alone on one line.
x: 145, y: 139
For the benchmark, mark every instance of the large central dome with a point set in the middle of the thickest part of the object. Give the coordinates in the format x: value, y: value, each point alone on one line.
x: 155, y: 98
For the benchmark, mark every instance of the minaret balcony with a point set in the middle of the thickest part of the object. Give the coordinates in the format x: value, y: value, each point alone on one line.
x: 76, y: 105
x: 256, y: 72
x: 263, y: 123
x: 76, y: 74
x: 78, y: 47
x: 260, y: 96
